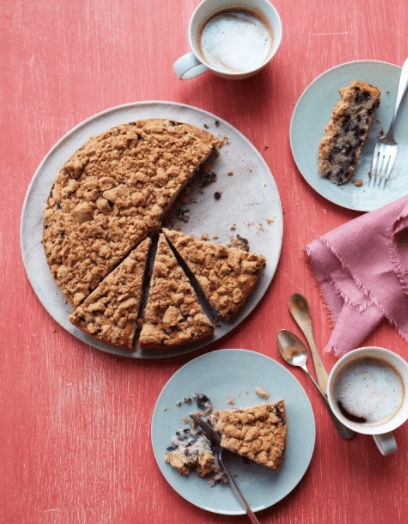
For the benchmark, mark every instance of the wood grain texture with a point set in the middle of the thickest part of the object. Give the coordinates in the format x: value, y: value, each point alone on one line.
x: 74, y: 422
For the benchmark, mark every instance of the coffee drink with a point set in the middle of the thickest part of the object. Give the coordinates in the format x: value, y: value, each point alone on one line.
x: 235, y: 40
x: 369, y: 391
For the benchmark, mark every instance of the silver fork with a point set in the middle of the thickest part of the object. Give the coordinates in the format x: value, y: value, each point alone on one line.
x: 216, y: 439
x: 386, y: 147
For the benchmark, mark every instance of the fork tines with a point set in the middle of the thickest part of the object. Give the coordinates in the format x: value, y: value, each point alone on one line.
x: 383, y: 160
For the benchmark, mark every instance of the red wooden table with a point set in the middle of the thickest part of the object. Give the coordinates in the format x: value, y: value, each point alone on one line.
x: 74, y: 426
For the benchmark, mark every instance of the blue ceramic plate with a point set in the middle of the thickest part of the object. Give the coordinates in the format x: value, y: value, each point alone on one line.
x: 313, y: 112
x: 234, y: 374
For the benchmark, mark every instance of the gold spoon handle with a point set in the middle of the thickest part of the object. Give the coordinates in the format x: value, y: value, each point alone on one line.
x: 321, y: 374
x: 300, y: 310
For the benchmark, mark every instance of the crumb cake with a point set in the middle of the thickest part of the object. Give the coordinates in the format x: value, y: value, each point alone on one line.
x: 345, y: 134
x: 112, y: 193
x: 173, y: 316
x: 226, y: 275
x: 258, y: 433
x: 110, y: 313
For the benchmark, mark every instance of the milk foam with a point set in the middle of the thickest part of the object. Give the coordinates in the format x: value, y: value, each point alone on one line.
x: 235, y: 40
x: 369, y: 389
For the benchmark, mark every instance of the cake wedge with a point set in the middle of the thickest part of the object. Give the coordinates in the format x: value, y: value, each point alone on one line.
x: 226, y: 275
x: 173, y: 315
x: 110, y: 313
x: 345, y: 134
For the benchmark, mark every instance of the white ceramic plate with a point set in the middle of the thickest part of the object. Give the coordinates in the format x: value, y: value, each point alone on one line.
x: 250, y: 196
x: 229, y: 374
x: 313, y: 112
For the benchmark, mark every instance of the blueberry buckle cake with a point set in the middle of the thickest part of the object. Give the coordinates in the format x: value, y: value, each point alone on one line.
x: 345, y: 134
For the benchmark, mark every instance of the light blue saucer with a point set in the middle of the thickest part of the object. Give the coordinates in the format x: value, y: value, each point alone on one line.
x: 313, y: 112
x: 234, y: 374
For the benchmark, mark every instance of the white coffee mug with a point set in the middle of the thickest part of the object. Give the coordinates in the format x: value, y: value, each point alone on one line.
x: 367, y: 391
x: 194, y: 63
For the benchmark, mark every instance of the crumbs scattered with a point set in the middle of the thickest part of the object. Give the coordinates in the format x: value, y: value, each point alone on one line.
x: 233, y: 227
x: 164, y: 409
x: 205, y: 236
x: 262, y: 393
x: 206, y: 126
x: 269, y: 221
x: 239, y: 243
x: 217, y: 195
x: 215, y: 237
x: 217, y: 123
x: 230, y: 173
x: 378, y: 120
x: 230, y: 401
x: 387, y: 91
x: 358, y: 182
x: 381, y: 133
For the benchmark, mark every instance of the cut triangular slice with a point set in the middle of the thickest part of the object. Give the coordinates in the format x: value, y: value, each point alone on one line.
x: 258, y: 432
x: 110, y: 313
x: 226, y: 275
x: 173, y: 314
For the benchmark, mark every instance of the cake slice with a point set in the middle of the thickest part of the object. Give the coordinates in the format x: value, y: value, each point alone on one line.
x: 112, y: 193
x: 345, y: 134
x: 226, y: 275
x: 173, y: 316
x: 110, y: 313
x: 258, y: 433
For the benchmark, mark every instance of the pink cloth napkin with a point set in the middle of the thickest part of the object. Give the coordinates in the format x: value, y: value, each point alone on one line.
x: 362, y: 267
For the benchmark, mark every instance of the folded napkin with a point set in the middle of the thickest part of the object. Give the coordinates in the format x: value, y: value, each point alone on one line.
x: 362, y: 267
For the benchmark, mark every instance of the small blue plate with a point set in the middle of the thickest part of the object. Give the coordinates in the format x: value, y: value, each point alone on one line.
x: 313, y: 112
x: 234, y: 374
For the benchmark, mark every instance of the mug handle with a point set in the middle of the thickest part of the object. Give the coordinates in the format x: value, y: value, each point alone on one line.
x: 188, y: 66
x: 386, y: 443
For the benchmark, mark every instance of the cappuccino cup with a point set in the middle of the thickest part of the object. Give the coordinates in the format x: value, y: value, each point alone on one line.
x: 367, y: 391
x: 232, y: 38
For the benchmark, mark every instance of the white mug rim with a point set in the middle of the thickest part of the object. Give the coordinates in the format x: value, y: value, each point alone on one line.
x: 390, y: 424
x: 232, y: 3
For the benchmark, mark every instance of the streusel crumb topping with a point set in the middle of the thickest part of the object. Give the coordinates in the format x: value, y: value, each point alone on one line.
x: 111, y: 193
x: 258, y: 432
x: 173, y: 314
x: 226, y: 275
x: 110, y: 313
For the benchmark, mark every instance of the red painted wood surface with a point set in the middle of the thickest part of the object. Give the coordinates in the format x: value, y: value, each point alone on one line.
x: 74, y: 424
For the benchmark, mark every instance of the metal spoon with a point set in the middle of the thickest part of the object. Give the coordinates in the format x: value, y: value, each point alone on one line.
x: 294, y: 352
x: 300, y: 309
x: 216, y: 439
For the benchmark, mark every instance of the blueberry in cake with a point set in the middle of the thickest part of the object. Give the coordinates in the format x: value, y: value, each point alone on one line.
x: 345, y: 134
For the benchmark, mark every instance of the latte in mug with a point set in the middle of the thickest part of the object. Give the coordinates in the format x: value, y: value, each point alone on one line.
x: 369, y: 391
x: 235, y: 40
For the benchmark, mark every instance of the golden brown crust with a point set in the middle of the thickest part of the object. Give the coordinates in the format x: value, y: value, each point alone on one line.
x: 110, y: 313
x: 345, y: 134
x: 258, y: 432
x: 173, y: 314
x: 111, y: 193
x: 226, y: 275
